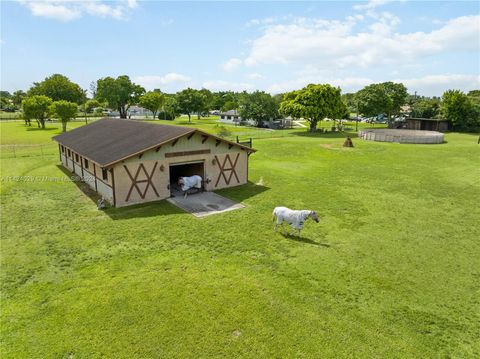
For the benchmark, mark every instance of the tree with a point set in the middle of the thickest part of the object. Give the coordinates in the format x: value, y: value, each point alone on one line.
x: 460, y: 110
x: 119, y: 93
x: 397, y: 94
x: 207, y: 103
x: 474, y: 95
x: 190, y: 101
x: 258, y: 106
x: 90, y: 105
x: 225, y: 100
x: 64, y: 110
x: 18, y: 97
x: 36, y: 107
x: 58, y: 87
x: 229, y: 105
x: 350, y: 101
x: 93, y: 89
x: 5, y: 94
x: 170, y: 108
x: 313, y: 103
x: 426, y: 108
x: 386, y: 97
x: 152, y: 101
x: 6, y: 102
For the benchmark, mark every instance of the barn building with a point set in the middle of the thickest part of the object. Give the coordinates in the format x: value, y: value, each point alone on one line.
x: 129, y: 162
x: 427, y: 124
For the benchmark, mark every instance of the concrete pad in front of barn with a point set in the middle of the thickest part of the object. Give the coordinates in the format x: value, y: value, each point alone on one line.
x: 204, y: 204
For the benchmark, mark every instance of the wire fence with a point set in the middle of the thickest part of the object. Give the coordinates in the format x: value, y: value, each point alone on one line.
x: 76, y: 119
x: 22, y: 151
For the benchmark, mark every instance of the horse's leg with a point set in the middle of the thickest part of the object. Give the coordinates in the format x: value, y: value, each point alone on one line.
x: 284, y: 230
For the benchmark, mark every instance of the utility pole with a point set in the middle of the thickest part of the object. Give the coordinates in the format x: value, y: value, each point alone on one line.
x: 356, y: 120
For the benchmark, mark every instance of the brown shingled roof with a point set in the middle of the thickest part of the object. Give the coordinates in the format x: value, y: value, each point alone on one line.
x: 108, y: 140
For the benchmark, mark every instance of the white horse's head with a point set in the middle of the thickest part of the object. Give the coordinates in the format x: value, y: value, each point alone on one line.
x: 313, y: 215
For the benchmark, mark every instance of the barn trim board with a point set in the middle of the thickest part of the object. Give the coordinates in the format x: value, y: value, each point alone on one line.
x: 133, y: 164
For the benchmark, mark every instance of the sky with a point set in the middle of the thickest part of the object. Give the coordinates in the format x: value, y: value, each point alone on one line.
x: 430, y: 46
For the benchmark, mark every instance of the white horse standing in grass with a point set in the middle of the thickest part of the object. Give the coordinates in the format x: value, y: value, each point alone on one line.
x: 296, y: 219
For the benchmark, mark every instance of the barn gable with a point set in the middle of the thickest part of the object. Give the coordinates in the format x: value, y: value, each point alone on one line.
x: 132, y: 173
x: 109, y: 141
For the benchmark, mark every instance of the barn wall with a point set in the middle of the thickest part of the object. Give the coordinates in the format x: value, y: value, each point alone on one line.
x: 443, y: 126
x: 153, y: 169
x: 413, y: 124
x: 66, y: 162
x: 160, y: 179
x: 152, y: 189
x: 104, y: 188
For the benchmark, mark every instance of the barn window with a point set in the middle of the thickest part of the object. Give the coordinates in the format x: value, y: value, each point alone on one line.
x: 86, y: 163
x: 63, y: 149
x: 104, y: 174
x: 76, y: 157
x: 68, y: 153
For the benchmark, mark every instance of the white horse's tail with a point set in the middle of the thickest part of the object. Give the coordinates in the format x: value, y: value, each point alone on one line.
x: 274, y: 215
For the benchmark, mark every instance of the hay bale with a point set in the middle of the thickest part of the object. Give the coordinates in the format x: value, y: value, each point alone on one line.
x: 348, y: 142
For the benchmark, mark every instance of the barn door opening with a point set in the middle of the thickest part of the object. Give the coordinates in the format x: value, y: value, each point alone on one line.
x: 178, y: 170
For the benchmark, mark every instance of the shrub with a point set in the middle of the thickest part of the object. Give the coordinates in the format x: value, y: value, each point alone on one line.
x: 163, y: 115
x: 223, y: 132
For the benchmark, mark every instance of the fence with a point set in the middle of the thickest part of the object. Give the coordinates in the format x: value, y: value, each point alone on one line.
x: 76, y: 119
x: 22, y: 151
x: 245, y: 143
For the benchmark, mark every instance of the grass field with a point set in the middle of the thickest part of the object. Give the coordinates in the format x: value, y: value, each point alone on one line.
x: 391, y: 271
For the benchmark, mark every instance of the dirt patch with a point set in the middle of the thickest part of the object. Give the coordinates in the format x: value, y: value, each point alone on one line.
x: 328, y: 145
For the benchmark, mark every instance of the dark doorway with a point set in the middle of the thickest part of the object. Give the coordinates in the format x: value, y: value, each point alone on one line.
x: 184, y: 170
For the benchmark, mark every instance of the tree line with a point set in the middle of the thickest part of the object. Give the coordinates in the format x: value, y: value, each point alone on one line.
x: 58, y: 97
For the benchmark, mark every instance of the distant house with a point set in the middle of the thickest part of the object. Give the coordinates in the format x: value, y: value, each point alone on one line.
x: 405, y: 110
x: 427, y: 124
x: 231, y: 116
x: 137, y: 111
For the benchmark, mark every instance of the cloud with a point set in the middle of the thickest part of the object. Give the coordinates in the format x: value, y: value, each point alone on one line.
x: 370, y: 5
x: 132, y: 4
x: 53, y: 10
x: 102, y: 10
x: 435, y: 85
x: 65, y: 10
x: 255, y: 76
x: 347, y: 84
x: 232, y: 64
x: 265, y: 21
x: 166, y: 22
x: 169, y: 82
x: 334, y: 44
x: 429, y: 85
x: 221, y: 85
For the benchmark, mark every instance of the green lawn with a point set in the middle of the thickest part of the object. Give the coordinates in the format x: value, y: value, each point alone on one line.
x: 391, y: 271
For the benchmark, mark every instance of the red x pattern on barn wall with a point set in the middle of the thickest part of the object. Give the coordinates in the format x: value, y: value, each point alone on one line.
x: 227, y: 172
x: 147, y: 178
